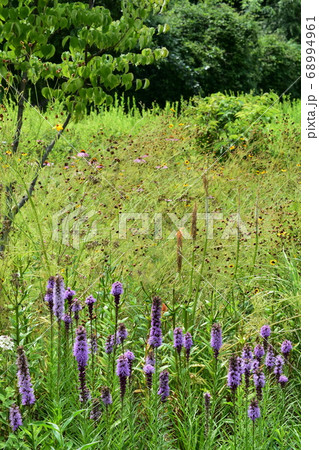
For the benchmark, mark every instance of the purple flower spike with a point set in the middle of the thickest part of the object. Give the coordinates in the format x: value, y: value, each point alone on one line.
x: 188, y: 343
x: 270, y: 358
x: 247, y: 352
x: 121, y: 333
x: 234, y: 373
x: 75, y: 308
x: 246, y: 370
x: 149, y: 370
x: 58, y: 297
x: 265, y: 331
x: 109, y: 344
x: 283, y: 380
x: 207, y: 398
x: 254, y: 410
x: 117, y: 291
x: 122, y: 371
x: 15, y: 418
x: 286, y: 348
x: 155, y: 339
x: 259, y: 352
x: 106, y: 396
x: 90, y: 302
x: 163, y: 385
x: 216, y: 341
x: 279, y: 363
x: 49, y: 292
x: 68, y: 295
x: 80, y: 349
x: 178, y: 340
x: 67, y: 321
x: 255, y: 365
x: 24, y: 379
x: 259, y: 381
x: 130, y: 357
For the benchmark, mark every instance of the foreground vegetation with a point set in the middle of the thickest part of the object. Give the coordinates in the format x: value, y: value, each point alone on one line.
x: 237, y: 157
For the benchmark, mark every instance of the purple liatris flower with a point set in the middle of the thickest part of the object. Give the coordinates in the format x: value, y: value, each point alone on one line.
x: 67, y: 321
x: 117, y: 291
x: 58, y: 297
x: 259, y: 352
x: 283, y: 380
x: 122, y: 371
x: 130, y: 357
x: 254, y: 410
x: 68, y: 296
x: 96, y: 412
x: 49, y: 292
x: 247, y: 352
x: 255, y: 364
x: 286, y: 348
x: 188, y: 343
x: 216, y: 340
x: 76, y: 307
x: 149, y: 370
x: 90, y: 302
x: 121, y: 333
x: 155, y: 339
x: 270, y: 358
x: 178, y: 340
x: 279, y: 363
x: 24, y: 379
x: 106, y: 396
x: 246, y: 369
x: 81, y: 353
x: 265, y: 332
x: 163, y: 385
x: 259, y: 381
x: 15, y: 418
x: 81, y: 349
x: 234, y: 373
x: 109, y: 344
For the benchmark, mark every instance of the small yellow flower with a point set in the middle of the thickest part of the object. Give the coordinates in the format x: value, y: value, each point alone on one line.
x: 250, y: 156
x: 298, y: 165
x: 24, y: 154
x: 58, y: 127
x: 186, y: 162
x: 181, y: 124
x: 231, y: 266
x: 284, y: 170
x: 185, y: 185
x: 171, y: 125
x: 172, y: 109
x: 232, y: 147
x: 256, y: 291
x: 8, y: 152
x: 78, y: 206
x: 273, y: 262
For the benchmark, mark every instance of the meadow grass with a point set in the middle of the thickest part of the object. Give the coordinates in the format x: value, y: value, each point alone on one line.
x: 150, y: 162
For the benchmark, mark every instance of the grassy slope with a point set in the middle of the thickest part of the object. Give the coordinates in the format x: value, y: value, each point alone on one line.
x: 226, y: 286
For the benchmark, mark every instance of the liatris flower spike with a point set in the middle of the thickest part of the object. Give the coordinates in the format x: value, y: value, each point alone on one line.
x: 81, y: 353
x: 246, y: 369
x: 67, y: 321
x: 283, y: 380
x: 254, y: 410
x: 90, y: 302
x: 178, y: 340
x: 106, y: 396
x: 286, y: 348
x: 188, y: 343
x: 259, y: 381
x: 122, y: 371
x: 117, y: 291
x: 270, y: 358
x: 150, y: 358
x: 15, y: 418
x: 24, y: 379
x: 121, y: 333
x: 247, y: 352
x: 96, y: 412
x: 234, y: 373
x: 149, y: 370
x: 109, y: 344
x: 58, y: 297
x: 130, y: 357
x: 93, y: 343
x: 75, y: 308
x: 279, y: 363
x: 68, y: 296
x: 163, y: 385
x: 259, y: 352
x: 216, y: 341
x: 207, y: 398
x: 155, y: 339
x: 49, y: 292
x: 265, y: 333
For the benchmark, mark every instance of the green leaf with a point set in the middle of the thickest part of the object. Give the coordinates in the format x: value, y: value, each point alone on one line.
x: 47, y: 51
